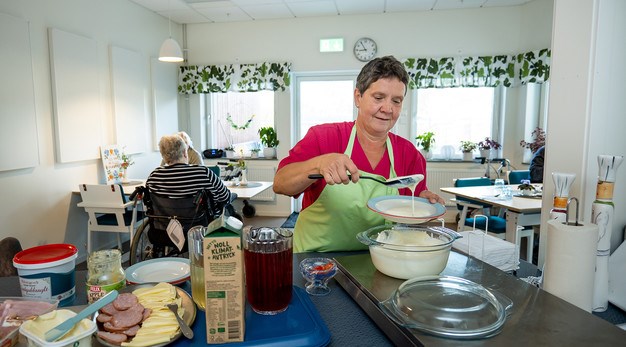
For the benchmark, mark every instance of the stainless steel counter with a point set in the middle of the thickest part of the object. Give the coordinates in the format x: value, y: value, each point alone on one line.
x: 538, y: 318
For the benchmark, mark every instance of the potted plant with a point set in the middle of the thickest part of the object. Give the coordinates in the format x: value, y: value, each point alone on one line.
x: 486, y: 146
x: 229, y: 151
x: 539, y: 140
x: 526, y: 188
x: 468, y: 147
x: 426, y: 140
x: 270, y: 140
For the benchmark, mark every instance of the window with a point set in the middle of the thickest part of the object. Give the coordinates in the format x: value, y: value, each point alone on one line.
x: 323, y: 98
x: 455, y: 115
x: 235, y: 118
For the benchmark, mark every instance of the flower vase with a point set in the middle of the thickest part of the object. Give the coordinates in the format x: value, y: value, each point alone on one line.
x: 244, y: 177
x: 124, y: 173
x: 602, y: 212
x: 468, y: 156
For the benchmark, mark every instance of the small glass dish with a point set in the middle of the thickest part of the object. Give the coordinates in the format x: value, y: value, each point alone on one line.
x: 317, y: 271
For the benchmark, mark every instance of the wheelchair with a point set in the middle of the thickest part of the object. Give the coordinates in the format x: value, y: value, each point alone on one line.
x: 151, y: 240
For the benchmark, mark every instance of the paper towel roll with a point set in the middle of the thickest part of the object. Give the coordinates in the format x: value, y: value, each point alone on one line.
x: 570, y: 262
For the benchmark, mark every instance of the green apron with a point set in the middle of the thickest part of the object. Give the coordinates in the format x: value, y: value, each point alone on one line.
x: 333, y: 220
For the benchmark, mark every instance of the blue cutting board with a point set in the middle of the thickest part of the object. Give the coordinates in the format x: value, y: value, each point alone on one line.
x: 299, y: 325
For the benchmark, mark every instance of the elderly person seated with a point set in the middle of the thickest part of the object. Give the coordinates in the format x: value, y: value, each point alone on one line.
x: 178, y: 179
x: 195, y: 158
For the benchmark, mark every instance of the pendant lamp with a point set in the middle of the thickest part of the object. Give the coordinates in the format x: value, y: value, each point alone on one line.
x: 170, y: 49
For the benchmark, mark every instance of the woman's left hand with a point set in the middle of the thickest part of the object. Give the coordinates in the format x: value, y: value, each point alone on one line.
x: 432, y: 197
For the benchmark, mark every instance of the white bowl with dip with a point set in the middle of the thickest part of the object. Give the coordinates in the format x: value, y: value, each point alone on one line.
x: 404, y: 251
x: 406, y: 209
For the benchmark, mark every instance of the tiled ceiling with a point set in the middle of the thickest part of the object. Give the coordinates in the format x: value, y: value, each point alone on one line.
x: 214, y: 11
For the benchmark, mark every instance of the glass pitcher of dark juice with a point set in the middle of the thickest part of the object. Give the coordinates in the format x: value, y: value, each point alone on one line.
x: 268, y: 257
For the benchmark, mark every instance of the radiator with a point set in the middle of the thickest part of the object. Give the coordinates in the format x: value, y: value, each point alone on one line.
x: 438, y: 178
x: 262, y: 174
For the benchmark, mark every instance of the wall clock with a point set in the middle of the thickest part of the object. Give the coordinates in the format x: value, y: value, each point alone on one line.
x: 365, y: 49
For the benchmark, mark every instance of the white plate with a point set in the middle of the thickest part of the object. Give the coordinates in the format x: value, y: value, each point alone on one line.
x: 171, y: 270
x: 399, y: 209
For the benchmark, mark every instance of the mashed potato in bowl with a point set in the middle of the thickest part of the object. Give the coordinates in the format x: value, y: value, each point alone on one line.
x: 406, y: 252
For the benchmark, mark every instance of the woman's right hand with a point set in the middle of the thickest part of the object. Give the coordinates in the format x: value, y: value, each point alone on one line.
x: 335, y: 168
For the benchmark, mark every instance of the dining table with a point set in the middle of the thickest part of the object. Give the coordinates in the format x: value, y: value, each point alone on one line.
x: 352, y: 316
x: 521, y: 210
x: 243, y: 191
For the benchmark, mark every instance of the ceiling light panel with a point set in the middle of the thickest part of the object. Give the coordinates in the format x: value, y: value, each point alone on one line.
x: 409, y: 5
x: 313, y: 8
x: 224, y: 14
x: 360, y: 7
x: 269, y: 11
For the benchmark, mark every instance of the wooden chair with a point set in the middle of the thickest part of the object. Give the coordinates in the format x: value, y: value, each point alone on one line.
x: 109, y: 211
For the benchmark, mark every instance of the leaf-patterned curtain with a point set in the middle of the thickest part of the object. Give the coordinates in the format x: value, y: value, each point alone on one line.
x: 487, y: 71
x: 233, y: 77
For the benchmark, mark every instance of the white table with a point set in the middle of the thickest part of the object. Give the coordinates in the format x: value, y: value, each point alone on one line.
x: 249, y: 191
x: 521, y: 211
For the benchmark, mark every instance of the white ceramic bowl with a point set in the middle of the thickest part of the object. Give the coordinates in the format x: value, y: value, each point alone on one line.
x: 404, y: 251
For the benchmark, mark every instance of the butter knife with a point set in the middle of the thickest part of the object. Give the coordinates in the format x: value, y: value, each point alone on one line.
x: 62, y: 329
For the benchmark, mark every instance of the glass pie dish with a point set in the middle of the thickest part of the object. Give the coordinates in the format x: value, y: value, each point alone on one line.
x: 448, y: 306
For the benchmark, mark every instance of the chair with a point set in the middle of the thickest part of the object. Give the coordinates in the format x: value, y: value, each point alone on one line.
x: 496, y: 224
x: 108, y: 211
x: 152, y: 239
x: 516, y: 176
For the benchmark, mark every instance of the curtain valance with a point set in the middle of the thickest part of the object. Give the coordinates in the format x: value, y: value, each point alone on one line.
x: 234, y: 77
x: 487, y: 71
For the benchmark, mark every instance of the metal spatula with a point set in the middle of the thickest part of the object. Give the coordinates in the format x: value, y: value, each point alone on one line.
x: 58, y: 331
x: 398, y: 182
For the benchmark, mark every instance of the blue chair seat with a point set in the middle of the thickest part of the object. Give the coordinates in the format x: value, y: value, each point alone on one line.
x: 111, y: 219
x: 497, y: 225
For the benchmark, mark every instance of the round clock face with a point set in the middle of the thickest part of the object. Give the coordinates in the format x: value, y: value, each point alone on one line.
x: 365, y: 49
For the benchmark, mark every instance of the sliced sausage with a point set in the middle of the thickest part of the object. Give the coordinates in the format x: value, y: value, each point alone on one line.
x: 146, y: 313
x: 103, y: 318
x: 127, y: 319
x: 109, y: 309
x: 125, y: 301
x: 132, y: 331
x: 113, y: 338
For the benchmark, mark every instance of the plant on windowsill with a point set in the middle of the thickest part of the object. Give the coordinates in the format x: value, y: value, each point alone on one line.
x: 269, y: 139
x: 229, y: 151
x: 426, y: 140
x: 486, y: 146
x: 467, y: 147
x: 539, y: 140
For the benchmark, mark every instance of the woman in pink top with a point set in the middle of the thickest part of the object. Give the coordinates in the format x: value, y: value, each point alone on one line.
x: 335, y: 208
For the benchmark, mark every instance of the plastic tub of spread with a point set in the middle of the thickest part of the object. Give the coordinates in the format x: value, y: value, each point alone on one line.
x: 448, y: 306
x: 79, y: 336
x: 405, y: 251
x: 47, y: 272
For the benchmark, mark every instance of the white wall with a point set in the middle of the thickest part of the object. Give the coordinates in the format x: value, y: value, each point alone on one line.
x: 587, y: 108
x: 37, y: 204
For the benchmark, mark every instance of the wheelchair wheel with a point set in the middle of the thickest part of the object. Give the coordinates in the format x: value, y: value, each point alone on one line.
x: 141, y: 248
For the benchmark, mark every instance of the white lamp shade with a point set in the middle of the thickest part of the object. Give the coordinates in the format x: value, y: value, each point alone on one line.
x: 170, y: 51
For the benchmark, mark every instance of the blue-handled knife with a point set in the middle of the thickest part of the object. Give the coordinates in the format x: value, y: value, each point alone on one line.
x: 62, y: 329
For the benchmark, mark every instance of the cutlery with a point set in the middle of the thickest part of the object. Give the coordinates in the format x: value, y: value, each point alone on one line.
x: 58, y: 331
x: 183, y: 326
x: 398, y: 182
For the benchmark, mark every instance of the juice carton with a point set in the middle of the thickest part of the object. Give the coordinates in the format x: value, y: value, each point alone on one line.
x: 224, y: 281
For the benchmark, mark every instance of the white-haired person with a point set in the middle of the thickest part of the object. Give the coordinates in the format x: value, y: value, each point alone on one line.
x: 195, y: 158
x: 178, y: 179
